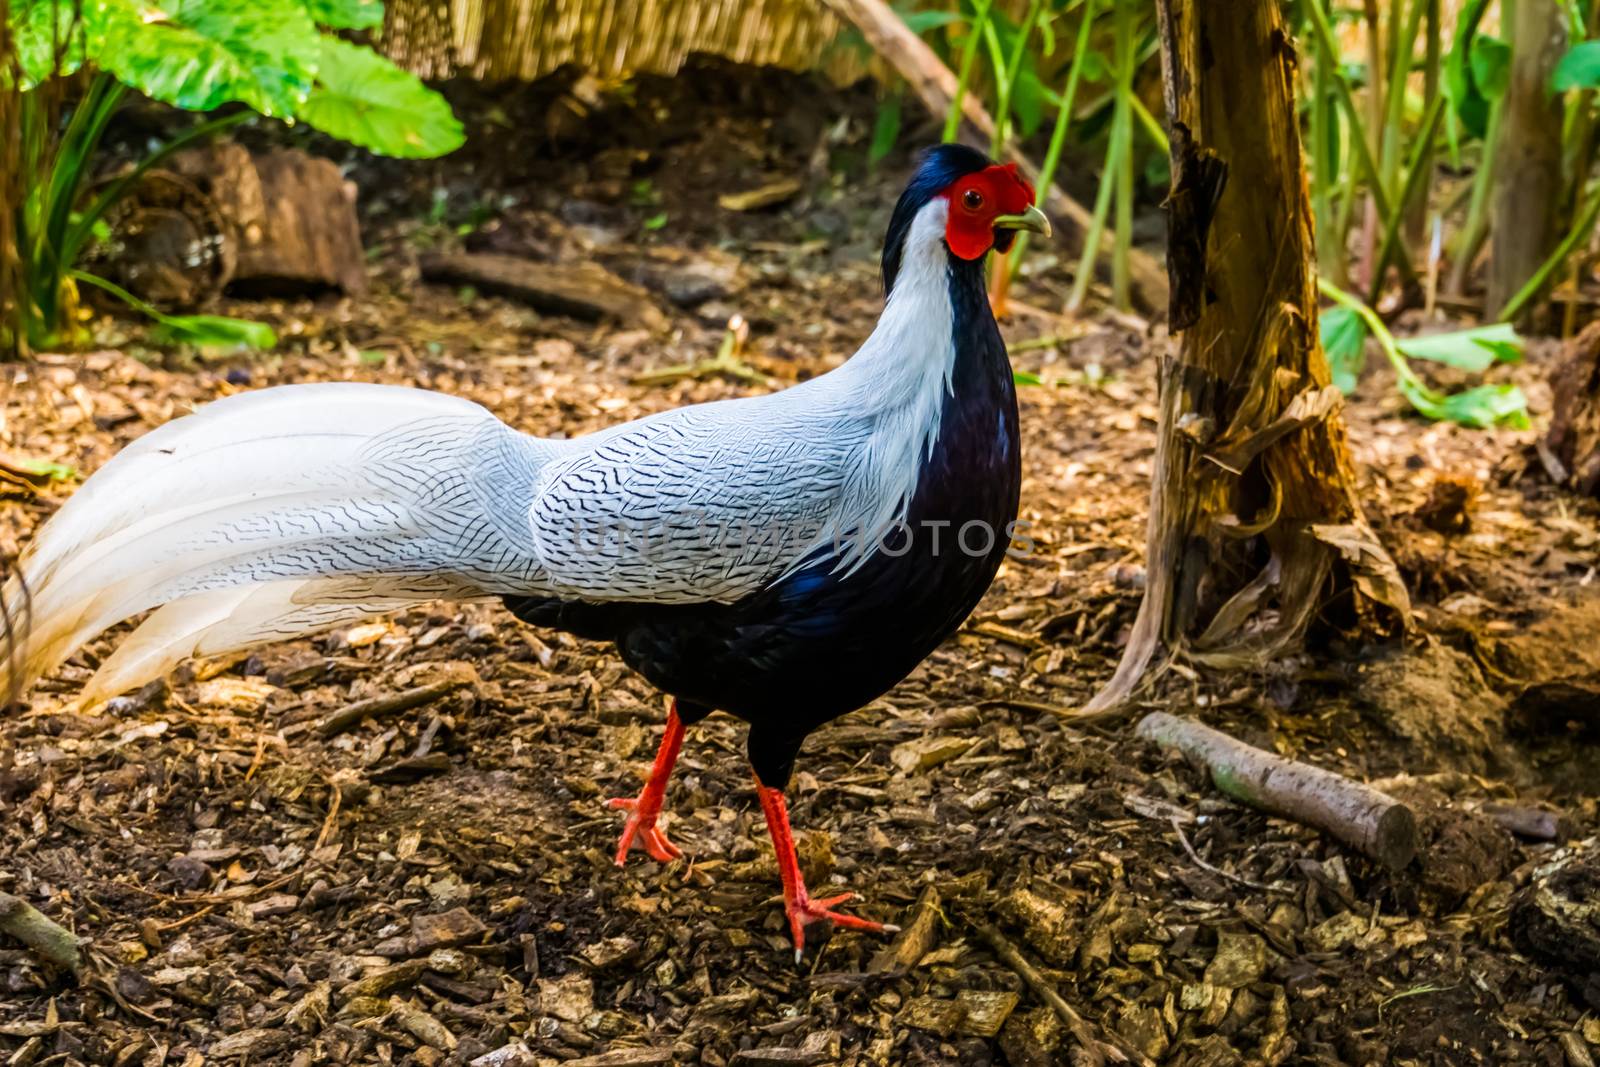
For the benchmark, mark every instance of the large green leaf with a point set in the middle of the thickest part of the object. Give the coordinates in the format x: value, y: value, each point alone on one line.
x: 1579, y: 68
x: 365, y: 99
x: 199, y: 54
x: 346, y: 14
x: 49, y: 40
x: 1474, y: 350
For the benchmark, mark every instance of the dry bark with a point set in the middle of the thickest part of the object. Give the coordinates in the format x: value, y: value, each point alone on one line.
x: 1255, y: 523
x: 1362, y: 817
x: 935, y: 84
x: 1527, y: 189
x: 1557, y: 916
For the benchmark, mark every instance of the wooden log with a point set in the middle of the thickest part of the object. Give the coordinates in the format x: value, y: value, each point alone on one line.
x: 33, y: 928
x: 582, y: 290
x: 1374, y: 823
x: 935, y: 84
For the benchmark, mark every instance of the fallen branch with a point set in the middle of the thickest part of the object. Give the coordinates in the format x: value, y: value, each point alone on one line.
x: 935, y: 84
x: 1096, y: 1050
x: 1537, y: 824
x: 1372, y: 822
x: 28, y: 924
x: 459, y: 676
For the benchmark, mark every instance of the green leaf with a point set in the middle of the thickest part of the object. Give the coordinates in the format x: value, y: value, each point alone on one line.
x: 1028, y: 97
x: 1096, y: 68
x: 346, y: 14
x: 363, y: 98
x: 921, y: 22
x: 45, y: 470
x: 1491, y: 66
x: 655, y: 222
x: 1474, y: 350
x: 199, y: 54
x: 1344, y: 340
x: 1023, y: 377
x: 1471, y: 107
x: 1481, y: 408
x: 1578, y: 69
x: 214, y: 331
x: 885, y: 128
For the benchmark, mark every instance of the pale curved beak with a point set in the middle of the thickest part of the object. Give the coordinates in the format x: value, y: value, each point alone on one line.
x: 1032, y: 220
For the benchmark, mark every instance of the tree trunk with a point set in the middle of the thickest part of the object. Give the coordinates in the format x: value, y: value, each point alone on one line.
x: 13, y: 341
x: 1255, y: 525
x: 1527, y: 190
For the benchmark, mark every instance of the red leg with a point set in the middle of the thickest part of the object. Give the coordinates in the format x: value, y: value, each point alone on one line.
x: 644, y: 809
x: 797, y: 902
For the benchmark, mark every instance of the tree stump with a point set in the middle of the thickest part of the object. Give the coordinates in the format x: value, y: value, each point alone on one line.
x: 1255, y: 521
x: 171, y: 245
x: 1573, y: 442
x: 292, y: 217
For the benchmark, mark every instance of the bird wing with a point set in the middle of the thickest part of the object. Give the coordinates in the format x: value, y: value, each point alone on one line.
x: 700, y: 504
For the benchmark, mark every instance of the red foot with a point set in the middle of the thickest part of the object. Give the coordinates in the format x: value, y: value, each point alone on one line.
x: 797, y: 902
x: 642, y: 825
x: 644, y: 809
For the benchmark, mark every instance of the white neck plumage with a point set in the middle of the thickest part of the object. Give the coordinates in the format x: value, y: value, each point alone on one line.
x: 910, y: 356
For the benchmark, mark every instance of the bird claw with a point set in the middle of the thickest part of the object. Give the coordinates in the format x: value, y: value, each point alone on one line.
x: 641, y: 828
x: 805, y: 911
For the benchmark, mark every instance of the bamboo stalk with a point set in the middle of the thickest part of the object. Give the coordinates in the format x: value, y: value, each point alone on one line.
x: 935, y: 84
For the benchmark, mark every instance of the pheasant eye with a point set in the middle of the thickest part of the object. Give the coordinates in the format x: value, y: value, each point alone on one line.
x: 972, y: 199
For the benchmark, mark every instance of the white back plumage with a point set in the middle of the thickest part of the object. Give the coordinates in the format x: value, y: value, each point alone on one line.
x: 290, y: 510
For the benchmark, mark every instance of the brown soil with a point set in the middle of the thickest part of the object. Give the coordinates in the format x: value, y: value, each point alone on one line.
x: 257, y: 893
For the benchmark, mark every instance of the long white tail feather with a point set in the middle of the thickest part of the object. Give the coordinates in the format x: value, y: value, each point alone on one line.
x: 228, y: 620
x: 272, y: 515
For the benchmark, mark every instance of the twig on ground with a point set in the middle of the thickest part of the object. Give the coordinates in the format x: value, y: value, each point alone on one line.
x: 1213, y: 868
x: 1360, y: 816
x: 1097, y: 1049
x: 333, y: 815
x: 53, y: 943
x: 352, y: 715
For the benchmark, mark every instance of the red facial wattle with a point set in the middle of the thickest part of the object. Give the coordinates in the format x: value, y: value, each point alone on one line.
x: 976, y: 201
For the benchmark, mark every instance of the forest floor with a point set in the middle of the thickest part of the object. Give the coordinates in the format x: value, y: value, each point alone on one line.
x: 438, y: 884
